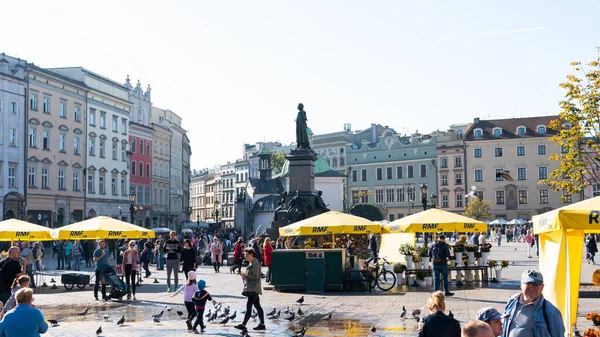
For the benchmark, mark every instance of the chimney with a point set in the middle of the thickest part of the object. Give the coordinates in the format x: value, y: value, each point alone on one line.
x: 476, y: 120
x: 373, y: 133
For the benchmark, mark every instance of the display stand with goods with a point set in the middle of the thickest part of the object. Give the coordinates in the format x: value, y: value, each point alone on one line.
x: 399, y: 269
x: 408, y: 250
x: 423, y: 251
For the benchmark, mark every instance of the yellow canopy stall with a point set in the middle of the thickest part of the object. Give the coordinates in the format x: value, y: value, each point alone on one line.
x: 331, y: 222
x: 102, y: 227
x: 435, y: 220
x: 561, y: 233
x: 14, y: 229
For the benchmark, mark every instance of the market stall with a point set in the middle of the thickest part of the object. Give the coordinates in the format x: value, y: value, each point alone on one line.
x: 561, y: 235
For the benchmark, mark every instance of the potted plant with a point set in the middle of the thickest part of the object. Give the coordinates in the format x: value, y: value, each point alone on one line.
x: 418, y: 261
x: 421, y: 275
x: 459, y: 249
x: 471, y: 249
x: 399, y: 269
x: 408, y: 250
x: 485, y: 251
x: 424, y: 252
x: 498, y: 266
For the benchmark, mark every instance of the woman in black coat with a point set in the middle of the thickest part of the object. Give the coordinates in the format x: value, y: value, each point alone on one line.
x: 591, y: 248
x: 188, y: 257
x: 438, y: 324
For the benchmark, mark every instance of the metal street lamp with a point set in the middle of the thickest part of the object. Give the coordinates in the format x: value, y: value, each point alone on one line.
x: 131, y: 208
x: 423, y: 188
x: 216, y: 212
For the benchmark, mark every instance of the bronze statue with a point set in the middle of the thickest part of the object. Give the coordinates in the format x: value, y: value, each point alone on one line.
x: 302, y: 141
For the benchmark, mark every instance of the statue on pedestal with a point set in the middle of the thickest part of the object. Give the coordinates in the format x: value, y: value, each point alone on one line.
x: 302, y: 141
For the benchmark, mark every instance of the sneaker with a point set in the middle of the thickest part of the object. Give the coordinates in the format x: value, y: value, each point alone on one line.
x: 168, y: 289
x: 240, y: 327
x: 202, y: 328
x: 135, y: 299
x: 449, y: 294
x: 96, y: 297
x: 260, y: 327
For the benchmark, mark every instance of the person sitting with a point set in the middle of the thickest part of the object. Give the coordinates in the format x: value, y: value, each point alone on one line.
x: 24, y: 320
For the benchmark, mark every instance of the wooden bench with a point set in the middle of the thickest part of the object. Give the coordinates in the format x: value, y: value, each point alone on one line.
x: 482, y: 269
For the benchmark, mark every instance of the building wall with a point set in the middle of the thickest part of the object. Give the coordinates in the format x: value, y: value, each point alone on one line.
x: 161, y: 159
x: 452, y: 184
x: 228, y: 195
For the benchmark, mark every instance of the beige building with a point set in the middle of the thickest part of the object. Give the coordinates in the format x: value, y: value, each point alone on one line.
x: 451, y: 168
x: 198, y: 195
x: 520, y: 146
x: 161, y: 156
x: 56, y: 153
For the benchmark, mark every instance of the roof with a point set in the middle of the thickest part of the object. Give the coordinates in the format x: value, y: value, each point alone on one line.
x: 321, y: 166
x: 266, y: 204
x: 509, y: 127
x: 264, y: 152
x: 270, y: 186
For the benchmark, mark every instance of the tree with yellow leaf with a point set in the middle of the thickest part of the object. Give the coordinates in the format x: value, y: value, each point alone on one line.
x: 577, y: 132
x: 478, y: 209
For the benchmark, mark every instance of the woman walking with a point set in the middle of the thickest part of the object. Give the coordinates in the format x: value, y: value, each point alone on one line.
x: 146, y: 257
x: 77, y: 253
x: 130, y: 261
x: 188, y: 257
x: 592, y: 248
x: 238, y: 254
x: 267, y: 250
x: 529, y: 241
x: 252, y: 290
x: 437, y: 324
x: 216, y: 256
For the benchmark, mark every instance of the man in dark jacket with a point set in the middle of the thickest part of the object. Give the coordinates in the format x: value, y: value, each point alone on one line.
x: 438, y: 255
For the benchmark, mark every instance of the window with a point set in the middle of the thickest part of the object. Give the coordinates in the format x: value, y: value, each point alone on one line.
x: 61, y: 179
x: 479, y: 195
x: 412, y: 193
x: 478, y: 134
x: 75, y: 181
x: 389, y: 195
x: 141, y: 169
x: 12, y: 174
x: 541, y: 149
x: 141, y: 146
x: 457, y: 161
x: 363, y: 174
x: 46, y: 140
x: 33, y: 101
x: 543, y: 196
x: 521, y: 173
x: 522, y: 197
x: 45, y: 177
x: 123, y: 190
x: 445, y: 201
x: 477, y: 153
x: 92, y: 117
x: 457, y: 178
x: 62, y: 143
x: 31, y: 176
x: 133, y: 142
x: 444, y: 162
x: 566, y: 197
x: 409, y: 172
x: 520, y: 150
x: 101, y: 187
x: 12, y: 140
x: 92, y: 147
x: 113, y: 186
x: 499, y: 197
x: 459, y: 134
x: 77, y: 113
x: 389, y: 173
x: 133, y: 168
x: 497, y: 132
x: 423, y: 169
x: 521, y: 131
x: 478, y: 176
x: 542, y: 172
x: 102, y: 120
x: 378, y: 196
x: 32, y: 137
x: 400, y: 195
x: 498, y: 152
x: 595, y: 188
x: 541, y: 130
x: 149, y: 175
x: 161, y: 119
x: 148, y: 149
x: 354, y: 174
x: 114, y: 151
x: 391, y: 217
x: 364, y: 198
x: 102, y: 152
x: 333, y: 160
x: 115, y: 124
x: 123, y: 152
x: 459, y: 201
x: 379, y: 173
x: 46, y: 106
x: 498, y: 178
x: 399, y: 172
x: 444, y: 179
x: 63, y: 109
x: 76, y: 145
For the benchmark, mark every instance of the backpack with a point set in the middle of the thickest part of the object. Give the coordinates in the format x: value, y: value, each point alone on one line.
x: 436, y: 254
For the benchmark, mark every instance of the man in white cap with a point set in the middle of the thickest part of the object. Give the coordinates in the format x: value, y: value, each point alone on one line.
x: 529, y: 313
x: 493, y: 318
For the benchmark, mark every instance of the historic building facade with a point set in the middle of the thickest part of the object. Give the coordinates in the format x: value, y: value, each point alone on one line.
x: 186, y: 176
x: 55, y: 157
x: 451, y: 180
x: 161, y: 158
x: 228, y: 195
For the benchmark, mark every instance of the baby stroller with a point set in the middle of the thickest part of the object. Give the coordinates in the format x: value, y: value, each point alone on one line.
x: 118, y: 287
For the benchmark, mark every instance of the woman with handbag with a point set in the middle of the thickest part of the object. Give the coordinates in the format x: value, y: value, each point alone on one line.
x: 130, y: 262
x: 216, y: 254
x: 252, y: 290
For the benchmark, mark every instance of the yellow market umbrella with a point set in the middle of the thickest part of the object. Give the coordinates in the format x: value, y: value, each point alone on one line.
x: 331, y: 222
x: 101, y: 227
x: 435, y: 220
x: 561, y: 237
x: 14, y: 229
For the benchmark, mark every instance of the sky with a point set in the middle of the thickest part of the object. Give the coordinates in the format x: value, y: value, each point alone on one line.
x: 236, y: 70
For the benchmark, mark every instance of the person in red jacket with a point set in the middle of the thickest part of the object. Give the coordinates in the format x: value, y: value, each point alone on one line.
x: 267, y: 250
x: 238, y: 255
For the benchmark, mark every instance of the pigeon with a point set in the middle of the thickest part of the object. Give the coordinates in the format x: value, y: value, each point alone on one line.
x: 326, y: 318
x: 209, y: 313
x: 156, y: 320
x: 300, y: 300
x: 122, y: 320
x: 106, y: 317
x: 515, y: 248
x: 232, y: 317
x: 418, y: 318
x: 254, y: 314
x: 223, y: 315
x: 159, y: 315
x: 300, y: 313
x: 83, y: 313
x: 299, y: 333
x: 505, y: 175
x: 287, y: 311
x: 213, y: 317
x: 214, y: 303
x: 373, y: 329
x: 53, y: 322
x: 276, y: 316
x: 403, y: 313
x: 168, y: 308
x: 272, y: 312
x: 416, y: 312
x: 450, y: 314
x: 291, y: 317
x: 99, y: 331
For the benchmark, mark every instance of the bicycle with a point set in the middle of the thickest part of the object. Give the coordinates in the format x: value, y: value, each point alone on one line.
x: 379, y: 276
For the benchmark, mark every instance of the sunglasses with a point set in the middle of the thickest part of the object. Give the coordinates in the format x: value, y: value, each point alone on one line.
x: 132, y: 245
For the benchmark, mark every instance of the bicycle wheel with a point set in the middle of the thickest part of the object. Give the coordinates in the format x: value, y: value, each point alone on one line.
x: 373, y: 278
x: 386, y: 280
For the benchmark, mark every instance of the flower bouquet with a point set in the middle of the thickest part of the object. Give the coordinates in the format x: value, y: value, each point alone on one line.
x: 486, y: 247
x: 422, y: 250
x: 591, y: 333
x: 407, y: 249
x: 459, y: 248
x: 493, y: 263
x: 417, y: 258
x: 469, y: 247
x: 594, y: 317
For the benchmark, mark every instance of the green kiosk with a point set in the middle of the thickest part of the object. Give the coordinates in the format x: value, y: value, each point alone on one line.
x: 308, y: 270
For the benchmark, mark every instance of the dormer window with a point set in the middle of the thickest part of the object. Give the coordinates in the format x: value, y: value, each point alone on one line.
x: 478, y: 133
x: 521, y: 131
x: 541, y: 129
x: 497, y: 132
x: 459, y: 133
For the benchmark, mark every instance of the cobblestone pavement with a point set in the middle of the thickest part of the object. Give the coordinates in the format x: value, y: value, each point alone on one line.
x: 353, y: 314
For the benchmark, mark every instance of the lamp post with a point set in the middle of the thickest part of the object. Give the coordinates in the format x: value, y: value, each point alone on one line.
x: 216, y: 212
x: 131, y: 208
x: 423, y: 188
x: 349, y: 201
x: 120, y: 211
x: 198, y: 219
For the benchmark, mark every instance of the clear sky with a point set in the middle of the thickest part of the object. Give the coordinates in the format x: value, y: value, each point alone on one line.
x: 235, y: 70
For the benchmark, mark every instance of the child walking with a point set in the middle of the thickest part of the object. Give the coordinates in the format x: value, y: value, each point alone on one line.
x: 200, y: 298
x: 190, y: 287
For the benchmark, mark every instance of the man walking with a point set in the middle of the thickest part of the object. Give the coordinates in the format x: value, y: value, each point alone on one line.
x: 12, y: 267
x: 439, y: 254
x: 529, y: 313
x: 172, y: 249
x: 101, y: 258
x: 60, y: 255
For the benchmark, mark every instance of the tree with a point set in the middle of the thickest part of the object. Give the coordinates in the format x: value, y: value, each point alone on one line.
x: 277, y: 161
x: 577, y: 132
x: 478, y: 209
x: 367, y: 211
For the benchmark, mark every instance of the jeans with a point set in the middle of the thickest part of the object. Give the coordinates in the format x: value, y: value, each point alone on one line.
x: 237, y: 264
x: 254, y: 301
x: 592, y: 254
x: 443, y: 270
x: 172, y: 267
x: 130, y: 274
x: 161, y: 262
x: 60, y: 260
x: 76, y: 263
x: 29, y: 272
x: 199, y: 319
x: 145, y: 264
x: 269, y: 275
x: 98, y: 277
x: 217, y: 266
x: 68, y: 260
